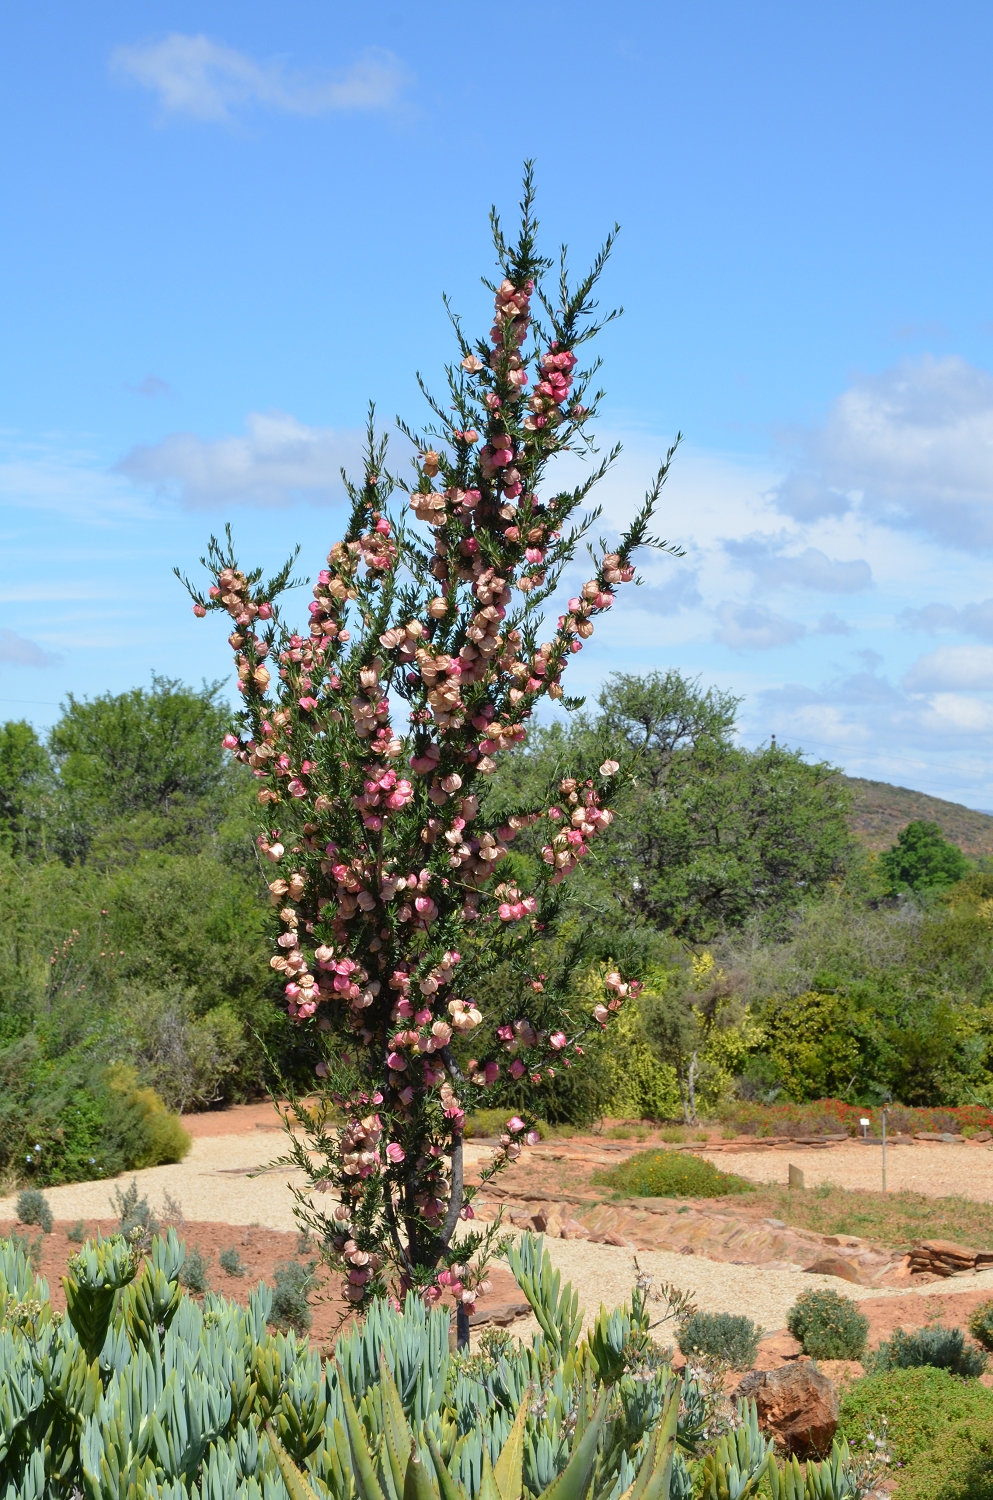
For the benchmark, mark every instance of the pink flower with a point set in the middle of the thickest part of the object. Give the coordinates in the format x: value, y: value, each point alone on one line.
x: 395, y: 1153
x: 532, y: 1137
x: 199, y: 610
x: 396, y: 1062
x: 265, y: 611
x: 558, y: 1040
x: 609, y: 768
x: 517, y: 1068
x: 296, y: 788
x: 308, y: 704
x: 230, y: 742
x: 515, y: 1124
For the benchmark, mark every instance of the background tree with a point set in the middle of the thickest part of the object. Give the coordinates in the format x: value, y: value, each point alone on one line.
x: 922, y: 860
x: 707, y: 835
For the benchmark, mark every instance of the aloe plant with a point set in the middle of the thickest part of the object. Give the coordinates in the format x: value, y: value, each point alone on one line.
x: 139, y: 1392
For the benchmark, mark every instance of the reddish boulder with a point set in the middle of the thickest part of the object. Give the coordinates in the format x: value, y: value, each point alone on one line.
x: 796, y: 1404
x: 835, y: 1265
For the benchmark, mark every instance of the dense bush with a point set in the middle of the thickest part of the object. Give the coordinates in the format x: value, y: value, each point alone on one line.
x: 69, y: 1118
x: 943, y: 1348
x: 981, y: 1324
x: 725, y: 1336
x: 828, y: 1325
x: 959, y: 1466
x: 918, y: 1406
x: 670, y: 1174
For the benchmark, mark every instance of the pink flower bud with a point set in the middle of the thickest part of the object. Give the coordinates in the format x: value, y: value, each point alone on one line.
x: 199, y: 610
x: 558, y: 1040
x: 230, y: 742
x: 395, y: 1152
x: 265, y: 611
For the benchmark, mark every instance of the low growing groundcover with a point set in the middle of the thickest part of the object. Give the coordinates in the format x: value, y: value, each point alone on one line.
x: 670, y: 1174
x: 939, y: 1429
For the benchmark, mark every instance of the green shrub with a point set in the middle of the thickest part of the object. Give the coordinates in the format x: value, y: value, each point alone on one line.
x: 959, y: 1466
x: 724, y: 1336
x: 290, y: 1306
x: 76, y: 1233
x: 194, y: 1272
x: 134, y: 1213
x: 670, y: 1174
x: 943, y: 1348
x: 30, y: 1249
x: 72, y: 1119
x: 32, y: 1208
x: 918, y: 1405
x: 828, y: 1325
x: 231, y: 1262
x: 981, y: 1324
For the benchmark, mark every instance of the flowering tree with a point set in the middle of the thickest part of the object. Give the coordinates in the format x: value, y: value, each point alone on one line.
x: 372, y: 734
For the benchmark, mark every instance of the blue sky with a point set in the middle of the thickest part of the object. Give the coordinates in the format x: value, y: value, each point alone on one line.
x: 227, y: 226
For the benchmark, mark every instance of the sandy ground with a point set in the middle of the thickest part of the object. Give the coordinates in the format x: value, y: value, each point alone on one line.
x: 935, y: 1168
x: 217, y: 1184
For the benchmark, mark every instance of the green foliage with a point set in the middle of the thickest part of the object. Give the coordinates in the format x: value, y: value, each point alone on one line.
x: 133, y: 928
x: 134, y: 1214
x: 981, y: 1324
x: 918, y: 1406
x: 194, y: 1273
x: 959, y: 1465
x: 290, y: 1296
x: 25, y: 789
x: 143, y: 1392
x: 725, y: 1336
x: 670, y: 1174
x: 231, y: 1262
x: 30, y: 1248
x: 944, y: 1348
x: 708, y: 834
x: 828, y: 1325
x: 32, y: 1208
x: 76, y: 1233
x: 922, y: 860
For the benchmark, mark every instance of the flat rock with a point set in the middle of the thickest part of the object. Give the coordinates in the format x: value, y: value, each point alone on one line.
x: 834, y: 1265
x: 797, y: 1404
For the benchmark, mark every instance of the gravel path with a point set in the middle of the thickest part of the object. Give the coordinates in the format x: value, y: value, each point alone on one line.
x: 214, y: 1185
x: 936, y: 1168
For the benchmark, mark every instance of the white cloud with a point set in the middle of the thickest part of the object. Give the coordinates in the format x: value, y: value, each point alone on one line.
x: 17, y: 651
x: 832, y: 624
x: 681, y: 592
x: 278, y: 460
x: 750, y: 627
x: 915, y: 444
x: 806, y: 498
x: 206, y: 80
x: 951, y: 668
x: 810, y: 569
x: 971, y: 619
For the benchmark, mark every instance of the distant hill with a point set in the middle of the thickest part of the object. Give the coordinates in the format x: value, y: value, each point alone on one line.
x: 881, y: 811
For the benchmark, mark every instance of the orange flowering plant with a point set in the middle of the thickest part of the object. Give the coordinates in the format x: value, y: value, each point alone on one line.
x: 372, y: 733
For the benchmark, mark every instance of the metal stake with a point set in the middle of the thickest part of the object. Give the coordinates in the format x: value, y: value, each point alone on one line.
x: 884, y: 1150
